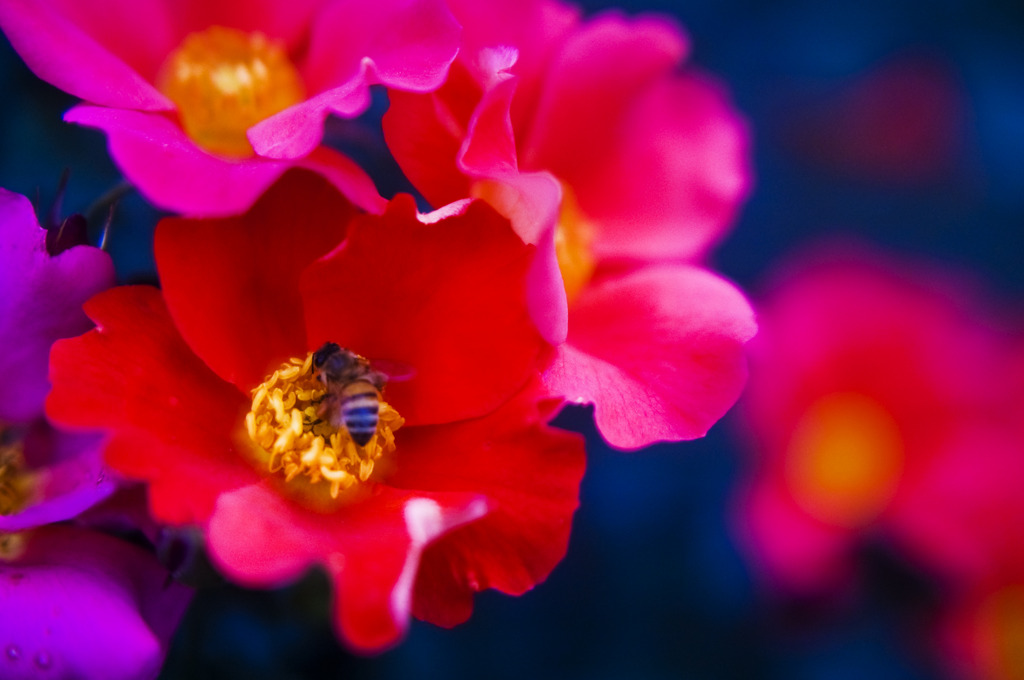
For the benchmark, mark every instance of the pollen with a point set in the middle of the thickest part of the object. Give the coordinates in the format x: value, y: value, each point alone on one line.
x: 574, y: 240
x: 15, y: 491
x: 286, y: 423
x: 224, y: 81
x: 14, y: 482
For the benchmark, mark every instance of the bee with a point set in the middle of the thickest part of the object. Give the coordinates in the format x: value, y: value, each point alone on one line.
x: 353, y: 389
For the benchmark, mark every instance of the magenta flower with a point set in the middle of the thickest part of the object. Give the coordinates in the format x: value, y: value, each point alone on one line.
x: 77, y: 603
x: 881, y: 400
x: 623, y: 168
x: 205, y: 104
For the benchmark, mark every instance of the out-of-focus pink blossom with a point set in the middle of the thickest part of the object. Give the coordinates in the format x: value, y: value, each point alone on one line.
x: 609, y: 155
x: 205, y: 104
x: 881, y: 402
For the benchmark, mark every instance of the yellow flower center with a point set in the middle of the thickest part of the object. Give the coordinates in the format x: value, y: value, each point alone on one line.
x: 844, y: 459
x: 224, y: 81
x: 288, y: 425
x: 574, y: 239
x: 1000, y: 633
x: 15, y: 490
x: 574, y: 233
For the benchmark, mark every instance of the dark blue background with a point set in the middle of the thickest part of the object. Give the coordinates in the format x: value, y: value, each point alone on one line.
x: 653, y: 585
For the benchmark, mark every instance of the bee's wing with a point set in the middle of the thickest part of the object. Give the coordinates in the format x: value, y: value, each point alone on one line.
x: 396, y: 371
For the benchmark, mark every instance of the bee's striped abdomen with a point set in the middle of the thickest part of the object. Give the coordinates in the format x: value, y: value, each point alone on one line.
x: 360, y: 405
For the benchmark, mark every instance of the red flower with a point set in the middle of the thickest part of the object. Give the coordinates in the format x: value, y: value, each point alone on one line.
x: 477, y: 492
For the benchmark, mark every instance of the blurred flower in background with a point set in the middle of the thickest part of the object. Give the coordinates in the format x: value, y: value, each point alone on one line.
x: 885, y: 407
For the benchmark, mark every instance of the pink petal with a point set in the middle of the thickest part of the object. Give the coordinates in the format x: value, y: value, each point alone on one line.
x: 591, y: 84
x: 659, y: 352
x: 371, y: 550
x: 672, y: 182
x: 287, y: 21
x: 103, y: 52
x: 657, y: 160
x: 402, y: 44
x: 172, y: 172
x: 406, y: 44
x: 535, y: 28
x: 41, y: 302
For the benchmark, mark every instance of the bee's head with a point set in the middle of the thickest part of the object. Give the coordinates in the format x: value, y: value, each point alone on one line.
x: 326, y: 351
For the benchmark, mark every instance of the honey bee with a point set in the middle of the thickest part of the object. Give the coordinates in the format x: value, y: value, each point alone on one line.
x: 353, y: 389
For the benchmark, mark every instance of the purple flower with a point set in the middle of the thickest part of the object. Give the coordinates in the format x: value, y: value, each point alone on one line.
x: 41, y: 300
x: 77, y: 603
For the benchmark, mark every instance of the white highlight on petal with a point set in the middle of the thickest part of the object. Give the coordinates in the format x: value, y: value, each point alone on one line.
x: 444, y: 212
x: 425, y: 521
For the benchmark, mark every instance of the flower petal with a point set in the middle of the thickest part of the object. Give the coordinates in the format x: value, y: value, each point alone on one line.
x: 107, y: 55
x: 174, y: 421
x: 170, y: 170
x: 402, y: 44
x: 42, y: 302
x: 232, y: 285
x: 676, y: 177
x: 88, y: 606
x: 659, y: 352
x: 408, y: 44
x: 529, y: 474
x: 71, y: 477
x: 445, y: 298
x: 287, y: 21
x: 371, y: 550
x: 671, y: 165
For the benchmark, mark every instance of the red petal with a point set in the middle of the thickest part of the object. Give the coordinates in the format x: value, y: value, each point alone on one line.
x: 371, y: 550
x: 424, y: 132
x: 231, y: 284
x: 173, y: 420
x: 529, y: 475
x: 447, y: 299
x: 659, y: 351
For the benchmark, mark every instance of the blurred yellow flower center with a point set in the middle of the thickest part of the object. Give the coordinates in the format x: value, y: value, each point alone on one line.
x: 999, y: 634
x: 844, y: 459
x: 574, y: 239
x: 287, y: 424
x: 15, y: 489
x: 224, y: 81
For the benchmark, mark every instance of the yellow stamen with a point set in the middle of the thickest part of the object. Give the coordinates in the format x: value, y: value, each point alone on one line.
x: 15, y: 492
x: 574, y: 239
x: 285, y: 425
x: 1000, y: 633
x: 224, y: 81
x: 574, y: 233
x: 844, y: 459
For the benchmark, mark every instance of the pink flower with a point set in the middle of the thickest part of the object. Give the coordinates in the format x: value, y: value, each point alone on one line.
x: 607, y: 156
x: 881, y: 401
x: 205, y: 104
